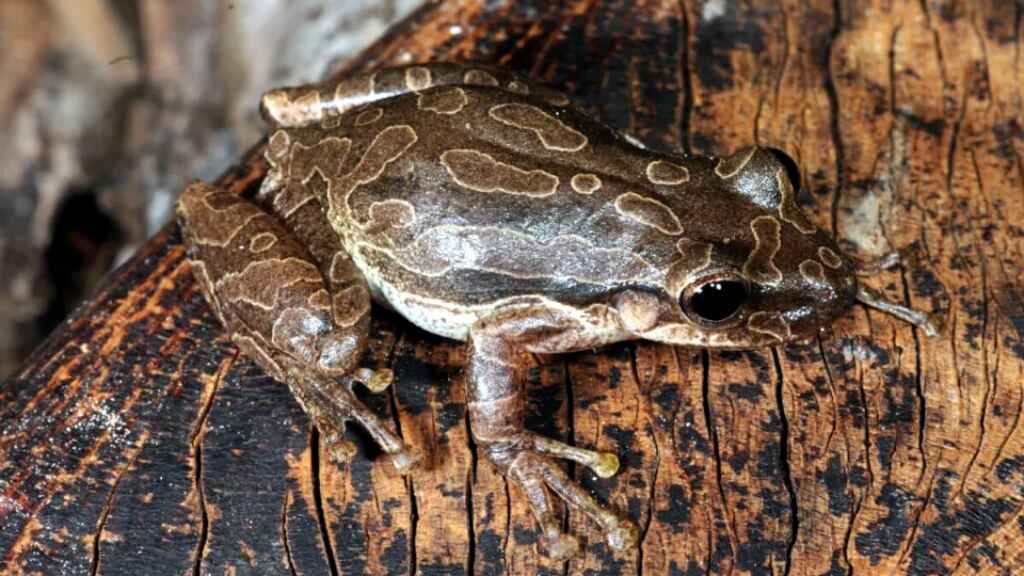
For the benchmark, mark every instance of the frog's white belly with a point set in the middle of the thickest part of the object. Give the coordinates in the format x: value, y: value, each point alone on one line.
x: 434, y: 315
x: 593, y: 326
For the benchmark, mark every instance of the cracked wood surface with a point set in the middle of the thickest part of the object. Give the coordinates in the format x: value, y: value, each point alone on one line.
x: 136, y: 440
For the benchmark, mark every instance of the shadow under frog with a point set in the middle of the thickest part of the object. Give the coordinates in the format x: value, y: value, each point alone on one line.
x: 485, y: 207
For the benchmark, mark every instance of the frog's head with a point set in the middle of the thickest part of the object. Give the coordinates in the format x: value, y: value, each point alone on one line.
x: 751, y: 269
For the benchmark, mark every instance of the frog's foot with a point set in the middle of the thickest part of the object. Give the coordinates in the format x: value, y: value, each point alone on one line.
x: 330, y: 404
x: 527, y: 460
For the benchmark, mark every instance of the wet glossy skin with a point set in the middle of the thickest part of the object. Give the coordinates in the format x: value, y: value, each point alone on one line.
x: 484, y: 207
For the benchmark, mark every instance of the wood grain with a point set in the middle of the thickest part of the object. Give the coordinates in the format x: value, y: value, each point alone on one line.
x: 136, y: 437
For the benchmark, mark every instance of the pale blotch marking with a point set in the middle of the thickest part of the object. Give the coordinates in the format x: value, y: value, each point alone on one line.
x: 479, y: 78
x: 277, y: 147
x: 211, y: 226
x: 296, y: 330
x: 695, y: 254
x: 251, y: 285
x: 649, y: 212
x: 760, y: 266
x: 586, y: 183
x: 552, y: 132
x: 769, y: 324
x: 342, y: 269
x: 330, y: 121
x: 391, y: 213
x: 729, y: 167
x: 418, y: 78
x: 812, y: 272
x: 286, y: 111
x: 555, y: 98
x: 367, y: 117
x: 518, y: 87
x: 319, y: 300
x: 350, y: 305
x: 829, y: 257
x: 788, y: 210
x: 667, y: 173
x: 386, y: 147
x: 448, y: 101
x: 327, y: 155
x: 262, y: 242
x: 308, y: 105
x: 482, y: 173
x: 291, y: 198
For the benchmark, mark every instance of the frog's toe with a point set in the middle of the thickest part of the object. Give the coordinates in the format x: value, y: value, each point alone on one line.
x: 562, y: 546
x: 604, y: 464
x: 376, y: 381
x: 405, y: 460
x: 339, y: 449
x: 623, y: 536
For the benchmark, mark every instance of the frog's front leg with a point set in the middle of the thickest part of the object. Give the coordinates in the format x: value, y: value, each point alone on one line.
x: 497, y: 347
x: 274, y: 300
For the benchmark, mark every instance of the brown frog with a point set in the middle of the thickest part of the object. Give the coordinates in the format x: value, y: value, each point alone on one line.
x: 485, y: 207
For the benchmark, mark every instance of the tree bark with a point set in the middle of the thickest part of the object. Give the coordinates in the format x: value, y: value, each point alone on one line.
x: 137, y: 440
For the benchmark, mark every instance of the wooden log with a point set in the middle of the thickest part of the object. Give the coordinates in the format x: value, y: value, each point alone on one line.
x: 137, y: 440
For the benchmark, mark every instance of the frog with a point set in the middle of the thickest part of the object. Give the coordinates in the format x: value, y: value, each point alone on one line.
x: 486, y: 207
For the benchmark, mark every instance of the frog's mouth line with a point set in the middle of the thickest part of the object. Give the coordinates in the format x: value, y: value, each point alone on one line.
x: 931, y: 324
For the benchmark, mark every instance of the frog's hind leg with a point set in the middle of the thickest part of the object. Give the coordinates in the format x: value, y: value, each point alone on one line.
x: 273, y: 298
x: 323, y: 104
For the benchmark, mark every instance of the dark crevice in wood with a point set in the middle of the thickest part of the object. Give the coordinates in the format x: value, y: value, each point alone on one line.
x: 687, y: 81
x: 284, y: 534
x: 470, y: 480
x: 653, y: 482
x: 646, y: 524
x: 204, y: 520
x: 318, y: 498
x: 865, y: 414
x: 410, y: 488
x: 921, y: 509
x: 508, y: 518
x: 101, y: 524
x: 855, y: 504
x: 919, y: 381
x: 784, y: 463
x: 570, y: 439
x: 414, y: 519
x: 995, y: 371
x: 196, y: 440
x: 705, y: 360
x: 833, y: 104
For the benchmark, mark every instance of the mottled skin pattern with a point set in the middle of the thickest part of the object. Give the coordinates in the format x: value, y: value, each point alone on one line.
x: 487, y: 208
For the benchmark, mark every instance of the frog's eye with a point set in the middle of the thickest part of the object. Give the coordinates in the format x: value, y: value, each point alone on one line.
x: 714, y: 301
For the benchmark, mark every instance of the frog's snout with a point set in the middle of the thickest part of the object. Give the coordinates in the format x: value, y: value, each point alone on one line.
x: 827, y: 294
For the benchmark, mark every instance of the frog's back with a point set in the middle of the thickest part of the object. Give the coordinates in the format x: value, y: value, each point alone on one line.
x: 463, y: 197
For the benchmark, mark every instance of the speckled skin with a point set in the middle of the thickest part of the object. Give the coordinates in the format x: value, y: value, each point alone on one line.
x: 484, y: 207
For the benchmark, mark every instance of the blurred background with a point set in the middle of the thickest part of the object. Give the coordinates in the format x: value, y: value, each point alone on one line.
x: 108, y: 107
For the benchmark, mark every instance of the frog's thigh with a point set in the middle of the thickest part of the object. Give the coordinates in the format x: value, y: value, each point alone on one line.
x: 266, y: 286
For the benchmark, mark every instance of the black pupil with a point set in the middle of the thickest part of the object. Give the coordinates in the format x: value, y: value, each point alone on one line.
x: 718, y: 300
